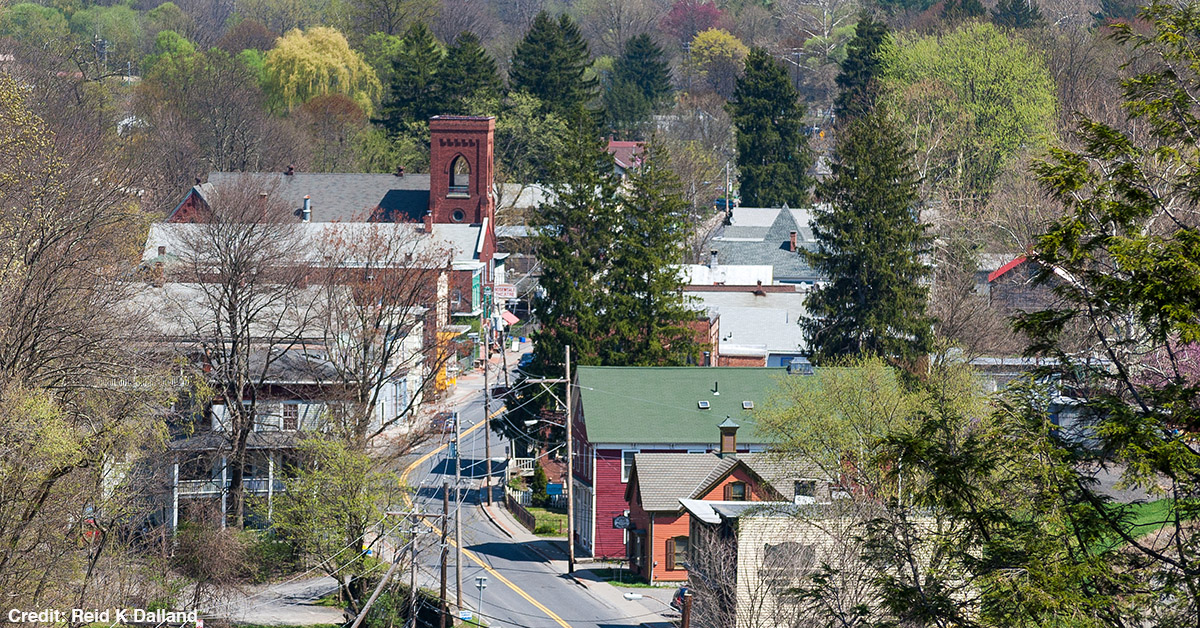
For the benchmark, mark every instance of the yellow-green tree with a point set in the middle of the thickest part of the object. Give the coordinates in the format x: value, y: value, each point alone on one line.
x: 315, y: 62
x: 716, y: 59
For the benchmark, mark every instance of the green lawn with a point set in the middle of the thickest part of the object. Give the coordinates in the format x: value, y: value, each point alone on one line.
x: 548, y: 522
x: 1147, y: 518
x: 623, y: 578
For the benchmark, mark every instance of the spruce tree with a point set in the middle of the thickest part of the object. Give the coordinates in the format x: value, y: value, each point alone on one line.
x: 959, y: 10
x: 627, y: 109
x: 415, y: 91
x: 646, y: 312
x: 468, y: 73
x: 551, y: 63
x: 870, y: 244
x: 773, y: 156
x: 858, y: 80
x: 642, y: 64
x: 1016, y: 14
x: 575, y: 233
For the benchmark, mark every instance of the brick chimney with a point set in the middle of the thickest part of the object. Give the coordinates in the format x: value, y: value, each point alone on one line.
x: 793, y: 240
x: 728, y: 438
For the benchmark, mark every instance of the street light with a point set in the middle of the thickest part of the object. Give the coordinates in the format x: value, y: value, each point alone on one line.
x: 481, y: 584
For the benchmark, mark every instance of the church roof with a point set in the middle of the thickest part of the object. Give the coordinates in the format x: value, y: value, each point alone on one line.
x: 336, y: 196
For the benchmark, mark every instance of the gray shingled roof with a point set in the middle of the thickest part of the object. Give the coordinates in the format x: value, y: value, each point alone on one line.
x: 340, y: 196
x: 663, y: 479
x: 762, y: 236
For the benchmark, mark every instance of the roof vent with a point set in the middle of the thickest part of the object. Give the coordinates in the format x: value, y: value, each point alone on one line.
x: 800, y: 366
x: 747, y: 405
x: 703, y: 405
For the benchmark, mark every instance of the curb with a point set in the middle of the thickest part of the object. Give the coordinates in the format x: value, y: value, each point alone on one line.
x: 488, y: 513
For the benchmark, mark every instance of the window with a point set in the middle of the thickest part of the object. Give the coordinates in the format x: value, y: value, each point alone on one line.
x: 291, y: 416
x: 458, y: 215
x: 677, y: 552
x: 460, y: 175
x: 626, y: 463
x: 735, y: 492
x: 805, y: 491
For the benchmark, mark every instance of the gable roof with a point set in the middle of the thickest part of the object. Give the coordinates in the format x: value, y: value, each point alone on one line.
x: 624, y: 153
x: 659, y: 404
x: 1003, y: 270
x: 337, y: 196
x: 663, y: 479
x: 761, y: 236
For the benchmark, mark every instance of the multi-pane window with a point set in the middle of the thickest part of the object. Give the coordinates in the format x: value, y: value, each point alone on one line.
x: 291, y: 416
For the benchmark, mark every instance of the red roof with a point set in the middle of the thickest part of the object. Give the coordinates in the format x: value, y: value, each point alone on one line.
x: 999, y: 272
x: 624, y: 152
x: 509, y: 317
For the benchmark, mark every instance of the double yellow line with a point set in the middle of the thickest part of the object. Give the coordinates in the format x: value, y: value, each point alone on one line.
x: 471, y: 555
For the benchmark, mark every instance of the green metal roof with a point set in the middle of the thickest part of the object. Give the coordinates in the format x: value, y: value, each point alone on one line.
x: 661, y: 404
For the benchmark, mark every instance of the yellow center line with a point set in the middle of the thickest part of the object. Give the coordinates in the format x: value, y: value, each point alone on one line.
x: 469, y: 554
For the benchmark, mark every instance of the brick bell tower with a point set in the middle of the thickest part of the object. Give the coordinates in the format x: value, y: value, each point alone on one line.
x: 460, y: 170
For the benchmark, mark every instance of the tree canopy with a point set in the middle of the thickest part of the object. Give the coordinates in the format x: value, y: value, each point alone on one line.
x: 304, y: 64
x: 552, y: 64
x: 772, y: 151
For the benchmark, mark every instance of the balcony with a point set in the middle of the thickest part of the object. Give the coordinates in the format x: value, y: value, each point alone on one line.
x: 212, y: 488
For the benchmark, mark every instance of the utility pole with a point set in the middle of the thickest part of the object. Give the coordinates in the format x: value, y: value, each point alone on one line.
x: 445, y: 607
x: 487, y: 429
x: 569, y: 480
x: 686, y: 615
x: 412, y: 584
x: 457, y: 512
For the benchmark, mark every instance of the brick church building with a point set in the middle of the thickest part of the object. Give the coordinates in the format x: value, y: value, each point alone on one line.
x: 454, y: 204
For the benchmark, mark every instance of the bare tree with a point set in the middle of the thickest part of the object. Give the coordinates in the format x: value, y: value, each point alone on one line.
x: 244, y: 307
x: 608, y: 23
x: 379, y: 319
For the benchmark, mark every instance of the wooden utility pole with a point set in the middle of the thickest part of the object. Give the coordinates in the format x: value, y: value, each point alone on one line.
x: 412, y: 583
x: 487, y: 429
x: 569, y: 480
x: 686, y: 619
x: 457, y: 512
x: 445, y: 552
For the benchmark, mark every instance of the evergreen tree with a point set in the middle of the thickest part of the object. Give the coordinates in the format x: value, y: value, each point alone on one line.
x: 575, y: 234
x: 1117, y: 10
x: 1016, y: 14
x: 859, y: 76
x: 642, y: 64
x: 870, y: 244
x: 551, y: 63
x: 415, y: 94
x: 468, y: 72
x: 959, y: 10
x: 646, y: 311
x: 627, y: 110
x: 773, y: 156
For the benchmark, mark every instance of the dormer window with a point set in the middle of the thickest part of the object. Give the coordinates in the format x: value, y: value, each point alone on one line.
x: 460, y: 177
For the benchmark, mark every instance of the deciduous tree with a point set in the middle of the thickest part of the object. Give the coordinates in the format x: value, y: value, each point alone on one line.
x: 304, y: 64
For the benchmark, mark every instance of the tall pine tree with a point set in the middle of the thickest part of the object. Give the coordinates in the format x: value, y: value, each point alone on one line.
x: 575, y: 235
x: 870, y: 244
x: 773, y: 156
x: 960, y: 10
x: 468, y: 73
x: 552, y: 63
x: 646, y: 310
x: 415, y: 91
x: 642, y: 64
x: 1016, y: 14
x: 858, y: 80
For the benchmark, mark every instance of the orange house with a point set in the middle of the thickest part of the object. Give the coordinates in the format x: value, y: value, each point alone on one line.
x: 657, y: 539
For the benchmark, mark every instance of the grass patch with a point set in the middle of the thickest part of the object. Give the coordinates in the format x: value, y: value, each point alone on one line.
x: 275, y: 626
x: 548, y: 522
x: 620, y: 577
x: 1147, y: 518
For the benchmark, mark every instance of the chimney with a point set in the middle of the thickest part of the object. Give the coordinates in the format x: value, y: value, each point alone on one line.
x: 793, y: 238
x: 728, y: 438
x: 399, y: 171
x: 306, y: 213
x: 162, y: 250
x: 291, y: 170
x: 712, y: 259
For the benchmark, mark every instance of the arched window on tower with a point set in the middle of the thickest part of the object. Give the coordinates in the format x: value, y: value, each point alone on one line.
x: 460, y: 176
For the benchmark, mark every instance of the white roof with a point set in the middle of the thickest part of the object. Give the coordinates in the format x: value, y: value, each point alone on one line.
x: 768, y: 322
x: 730, y: 275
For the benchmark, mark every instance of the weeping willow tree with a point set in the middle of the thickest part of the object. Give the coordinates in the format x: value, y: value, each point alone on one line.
x: 316, y: 62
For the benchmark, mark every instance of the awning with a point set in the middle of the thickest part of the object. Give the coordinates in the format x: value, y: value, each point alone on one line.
x: 509, y: 317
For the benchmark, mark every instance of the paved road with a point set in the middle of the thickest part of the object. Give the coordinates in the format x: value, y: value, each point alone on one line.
x: 538, y: 593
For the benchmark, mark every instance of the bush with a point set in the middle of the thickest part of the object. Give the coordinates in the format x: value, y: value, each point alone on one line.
x: 539, y: 484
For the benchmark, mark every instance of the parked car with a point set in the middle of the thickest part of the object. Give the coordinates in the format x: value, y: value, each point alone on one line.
x: 525, y: 360
x: 443, y: 422
x: 677, y: 599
